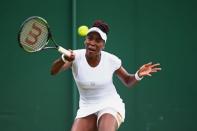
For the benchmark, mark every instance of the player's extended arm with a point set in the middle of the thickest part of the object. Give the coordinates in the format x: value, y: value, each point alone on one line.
x: 130, y: 79
x: 62, y: 63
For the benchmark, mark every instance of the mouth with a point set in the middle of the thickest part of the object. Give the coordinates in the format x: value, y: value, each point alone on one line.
x: 91, y: 49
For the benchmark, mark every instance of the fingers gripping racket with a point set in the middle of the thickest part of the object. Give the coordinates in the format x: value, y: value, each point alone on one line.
x: 35, y: 34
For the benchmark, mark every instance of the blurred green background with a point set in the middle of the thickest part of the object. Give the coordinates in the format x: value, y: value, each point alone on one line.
x: 141, y: 31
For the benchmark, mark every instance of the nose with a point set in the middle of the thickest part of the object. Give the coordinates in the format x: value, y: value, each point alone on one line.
x: 91, y: 42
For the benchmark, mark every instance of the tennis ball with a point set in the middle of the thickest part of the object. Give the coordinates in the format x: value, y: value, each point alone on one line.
x: 83, y: 30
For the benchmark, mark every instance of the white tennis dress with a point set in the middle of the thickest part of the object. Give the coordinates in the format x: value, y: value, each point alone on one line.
x: 95, y: 84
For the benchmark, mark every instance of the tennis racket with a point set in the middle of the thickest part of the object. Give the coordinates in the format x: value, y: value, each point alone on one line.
x: 35, y: 34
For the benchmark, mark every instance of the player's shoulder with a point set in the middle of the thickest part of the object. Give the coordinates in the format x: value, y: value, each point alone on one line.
x: 109, y: 55
x: 114, y: 60
x: 79, y: 51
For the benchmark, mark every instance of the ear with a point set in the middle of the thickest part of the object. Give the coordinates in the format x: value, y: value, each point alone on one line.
x: 84, y: 42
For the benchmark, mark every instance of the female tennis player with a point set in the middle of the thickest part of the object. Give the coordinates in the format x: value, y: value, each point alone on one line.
x: 100, y: 106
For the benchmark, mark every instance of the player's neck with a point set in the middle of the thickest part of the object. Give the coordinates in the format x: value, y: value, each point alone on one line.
x: 93, y: 61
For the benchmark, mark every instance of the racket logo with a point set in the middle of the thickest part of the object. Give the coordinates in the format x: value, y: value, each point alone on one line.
x: 33, y: 35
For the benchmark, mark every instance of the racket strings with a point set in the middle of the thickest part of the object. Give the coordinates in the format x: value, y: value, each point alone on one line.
x: 40, y: 40
x: 34, y: 35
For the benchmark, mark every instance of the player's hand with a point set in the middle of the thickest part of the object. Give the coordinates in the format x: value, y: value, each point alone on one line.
x: 71, y: 57
x: 148, y: 69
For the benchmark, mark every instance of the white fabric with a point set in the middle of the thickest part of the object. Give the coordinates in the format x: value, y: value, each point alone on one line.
x: 111, y: 111
x: 101, y: 33
x: 95, y: 84
x: 63, y: 58
x: 137, y: 77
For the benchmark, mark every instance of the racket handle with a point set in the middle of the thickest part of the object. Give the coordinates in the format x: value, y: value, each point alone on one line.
x: 63, y: 51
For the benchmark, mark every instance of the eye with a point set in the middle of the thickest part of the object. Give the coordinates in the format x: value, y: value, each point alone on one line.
x: 90, y: 37
x: 98, y: 40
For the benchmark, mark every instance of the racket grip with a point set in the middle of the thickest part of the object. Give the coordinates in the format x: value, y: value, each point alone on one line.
x: 63, y: 51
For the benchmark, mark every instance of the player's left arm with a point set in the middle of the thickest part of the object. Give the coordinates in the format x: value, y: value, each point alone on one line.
x: 131, y: 79
x: 126, y: 78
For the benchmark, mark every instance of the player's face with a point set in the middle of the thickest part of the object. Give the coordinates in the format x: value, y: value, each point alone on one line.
x: 94, y: 44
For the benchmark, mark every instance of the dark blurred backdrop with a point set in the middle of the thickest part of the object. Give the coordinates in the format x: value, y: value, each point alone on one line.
x: 141, y: 31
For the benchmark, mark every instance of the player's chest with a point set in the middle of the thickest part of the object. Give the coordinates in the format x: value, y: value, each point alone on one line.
x: 101, y: 72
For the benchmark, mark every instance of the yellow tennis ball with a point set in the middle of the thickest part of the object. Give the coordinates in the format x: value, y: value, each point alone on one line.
x: 83, y: 30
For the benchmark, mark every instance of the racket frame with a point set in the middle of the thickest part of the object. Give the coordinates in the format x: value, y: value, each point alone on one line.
x: 49, y: 37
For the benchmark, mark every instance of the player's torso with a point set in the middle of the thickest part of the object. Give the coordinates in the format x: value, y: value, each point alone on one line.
x: 94, y: 82
x: 93, y: 76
